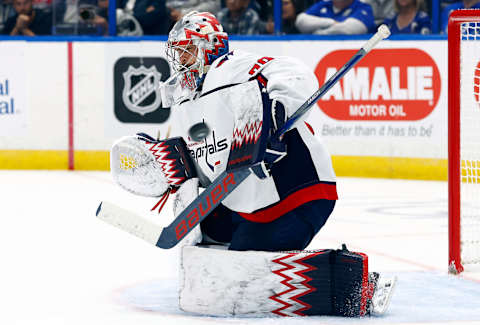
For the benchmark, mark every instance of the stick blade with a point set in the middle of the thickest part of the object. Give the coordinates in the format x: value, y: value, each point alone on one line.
x: 130, y: 222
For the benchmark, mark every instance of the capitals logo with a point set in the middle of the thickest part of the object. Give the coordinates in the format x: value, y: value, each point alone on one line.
x: 205, y: 150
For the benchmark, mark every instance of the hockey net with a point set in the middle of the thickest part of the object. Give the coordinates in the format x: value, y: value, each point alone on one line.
x: 464, y: 138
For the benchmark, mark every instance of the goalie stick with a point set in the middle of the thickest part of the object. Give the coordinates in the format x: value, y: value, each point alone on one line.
x: 224, y: 184
x: 195, y: 212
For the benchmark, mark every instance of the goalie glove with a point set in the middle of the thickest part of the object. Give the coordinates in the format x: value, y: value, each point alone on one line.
x: 149, y: 167
x: 276, y: 149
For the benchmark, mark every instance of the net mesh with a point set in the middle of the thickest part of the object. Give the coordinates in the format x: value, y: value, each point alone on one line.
x: 470, y: 142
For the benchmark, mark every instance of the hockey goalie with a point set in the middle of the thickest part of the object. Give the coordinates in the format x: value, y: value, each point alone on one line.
x: 246, y: 256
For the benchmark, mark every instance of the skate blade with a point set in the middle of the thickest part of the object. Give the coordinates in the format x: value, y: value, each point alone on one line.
x: 383, y: 294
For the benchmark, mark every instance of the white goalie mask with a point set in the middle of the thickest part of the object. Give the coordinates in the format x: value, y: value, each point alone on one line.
x: 194, y: 42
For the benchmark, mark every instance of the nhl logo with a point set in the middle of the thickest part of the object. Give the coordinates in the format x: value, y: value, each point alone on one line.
x: 136, y: 93
x: 141, y: 93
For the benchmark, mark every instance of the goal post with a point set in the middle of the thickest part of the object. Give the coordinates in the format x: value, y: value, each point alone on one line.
x: 464, y: 138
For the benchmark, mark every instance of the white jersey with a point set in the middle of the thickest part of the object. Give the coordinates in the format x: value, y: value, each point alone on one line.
x: 232, y: 83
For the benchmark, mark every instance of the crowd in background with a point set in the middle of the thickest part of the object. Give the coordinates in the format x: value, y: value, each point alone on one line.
x: 242, y: 17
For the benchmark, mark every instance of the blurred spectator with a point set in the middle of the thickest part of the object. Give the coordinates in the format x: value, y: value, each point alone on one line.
x: 42, y: 4
x: 238, y: 18
x: 70, y: 11
x: 81, y: 17
x: 66, y: 11
x: 290, y: 10
x: 103, y: 8
x: 409, y: 19
x: 134, y: 17
x: 337, y: 17
x: 6, y: 11
x: 465, y: 4
x: 264, y: 8
x: 178, y: 8
x: 94, y: 15
x: 28, y: 21
x: 382, y: 9
x: 152, y: 15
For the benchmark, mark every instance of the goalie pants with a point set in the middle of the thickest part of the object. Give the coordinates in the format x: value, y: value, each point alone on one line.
x: 291, y: 231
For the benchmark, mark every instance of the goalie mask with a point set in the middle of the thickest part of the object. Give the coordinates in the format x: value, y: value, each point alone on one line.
x: 193, y: 44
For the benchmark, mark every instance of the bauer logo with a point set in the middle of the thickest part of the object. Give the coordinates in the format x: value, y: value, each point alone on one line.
x: 136, y: 89
x: 387, y: 84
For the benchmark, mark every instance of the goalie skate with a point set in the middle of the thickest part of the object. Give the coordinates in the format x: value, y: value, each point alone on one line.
x: 382, y: 295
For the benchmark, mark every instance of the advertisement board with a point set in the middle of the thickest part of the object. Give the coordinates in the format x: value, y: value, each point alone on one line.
x: 386, y: 118
x: 13, y: 96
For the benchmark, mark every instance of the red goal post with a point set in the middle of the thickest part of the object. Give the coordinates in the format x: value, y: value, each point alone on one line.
x: 464, y: 138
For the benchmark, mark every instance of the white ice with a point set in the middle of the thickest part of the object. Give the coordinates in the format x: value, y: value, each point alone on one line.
x: 59, y: 264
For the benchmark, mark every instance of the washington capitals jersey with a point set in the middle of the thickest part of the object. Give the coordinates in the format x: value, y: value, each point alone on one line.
x: 420, y: 24
x: 237, y: 80
x: 358, y: 10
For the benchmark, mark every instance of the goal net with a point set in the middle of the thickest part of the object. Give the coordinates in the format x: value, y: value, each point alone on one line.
x: 464, y: 138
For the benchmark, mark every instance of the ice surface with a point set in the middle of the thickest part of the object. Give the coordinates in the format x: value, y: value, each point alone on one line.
x: 61, y: 265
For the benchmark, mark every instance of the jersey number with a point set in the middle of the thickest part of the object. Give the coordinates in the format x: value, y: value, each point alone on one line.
x: 259, y: 64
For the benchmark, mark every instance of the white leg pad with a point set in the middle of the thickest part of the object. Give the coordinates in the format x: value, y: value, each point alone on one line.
x: 227, y: 283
